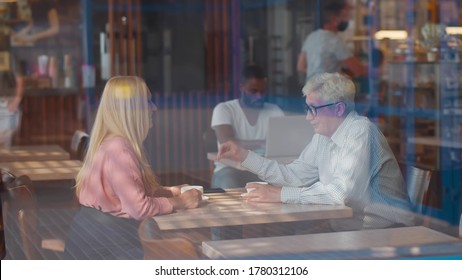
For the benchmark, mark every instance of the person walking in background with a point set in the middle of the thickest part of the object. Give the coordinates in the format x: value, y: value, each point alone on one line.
x: 116, y: 187
x: 244, y: 120
x: 12, y: 92
x: 323, y: 50
x: 43, y: 24
x: 348, y: 162
x: 11, y: 82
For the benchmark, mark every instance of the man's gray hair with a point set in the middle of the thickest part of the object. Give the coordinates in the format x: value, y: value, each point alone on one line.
x: 331, y: 87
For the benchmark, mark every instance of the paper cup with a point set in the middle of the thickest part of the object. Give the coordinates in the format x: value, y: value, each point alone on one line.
x: 187, y: 188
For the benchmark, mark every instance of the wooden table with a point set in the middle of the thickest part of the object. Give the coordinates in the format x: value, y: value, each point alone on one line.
x: 230, y: 209
x: 378, y: 243
x: 36, y: 153
x: 45, y: 170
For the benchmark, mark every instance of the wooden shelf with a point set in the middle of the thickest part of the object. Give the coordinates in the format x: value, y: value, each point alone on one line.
x: 432, y: 141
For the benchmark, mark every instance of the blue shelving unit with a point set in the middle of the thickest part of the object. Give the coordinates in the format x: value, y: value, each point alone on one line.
x: 426, y: 101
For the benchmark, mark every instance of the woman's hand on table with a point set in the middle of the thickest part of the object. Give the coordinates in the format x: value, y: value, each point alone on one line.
x: 176, y: 190
x: 169, y: 191
x: 187, y: 200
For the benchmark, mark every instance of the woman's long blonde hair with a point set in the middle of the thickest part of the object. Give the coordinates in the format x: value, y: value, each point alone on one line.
x: 124, y: 111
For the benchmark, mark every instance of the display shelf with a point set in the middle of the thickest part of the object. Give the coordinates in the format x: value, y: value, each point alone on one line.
x: 437, y: 142
x: 421, y: 118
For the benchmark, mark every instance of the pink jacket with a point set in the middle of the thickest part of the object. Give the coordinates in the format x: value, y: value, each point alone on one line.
x: 114, y: 184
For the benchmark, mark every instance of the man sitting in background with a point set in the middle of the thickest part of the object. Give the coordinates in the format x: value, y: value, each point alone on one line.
x: 244, y: 120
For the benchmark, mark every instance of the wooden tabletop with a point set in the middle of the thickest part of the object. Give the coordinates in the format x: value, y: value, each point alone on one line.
x: 36, y: 153
x: 378, y: 241
x: 228, y: 209
x: 45, y: 170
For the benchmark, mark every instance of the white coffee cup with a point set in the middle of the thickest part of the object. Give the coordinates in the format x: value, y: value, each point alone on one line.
x: 196, y: 187
x: 252, y: 189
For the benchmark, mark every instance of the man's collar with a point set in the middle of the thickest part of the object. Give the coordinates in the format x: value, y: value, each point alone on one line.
x: 339, y: 135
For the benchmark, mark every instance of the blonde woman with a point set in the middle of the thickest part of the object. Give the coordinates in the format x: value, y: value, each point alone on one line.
x: 116, y: 186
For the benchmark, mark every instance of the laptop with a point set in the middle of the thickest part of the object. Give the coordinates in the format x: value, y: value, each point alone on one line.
x: 287, y: 136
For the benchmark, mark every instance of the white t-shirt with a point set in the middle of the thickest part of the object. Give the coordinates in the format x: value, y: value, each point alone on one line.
x: 324, y: 50
x: 230, y: 112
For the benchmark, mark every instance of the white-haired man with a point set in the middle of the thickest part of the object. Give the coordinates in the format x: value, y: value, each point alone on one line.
x: 348, y: 162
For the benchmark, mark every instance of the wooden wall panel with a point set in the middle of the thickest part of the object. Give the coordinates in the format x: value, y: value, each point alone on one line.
x: 125, y: 37
x: 174, y: 145
x: 49, y: 119
x: 217, y: 39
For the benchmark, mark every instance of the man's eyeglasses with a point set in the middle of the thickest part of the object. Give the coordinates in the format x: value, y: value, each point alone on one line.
x: 313, y: 110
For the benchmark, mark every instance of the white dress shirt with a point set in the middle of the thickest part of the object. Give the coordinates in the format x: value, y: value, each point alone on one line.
x: 355, y: 167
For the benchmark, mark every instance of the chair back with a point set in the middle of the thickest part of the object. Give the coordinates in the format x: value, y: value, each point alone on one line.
x: 2, y: 240
x: 460, y: 226
x: 21, y: 204
x: 21, y: 215
x: 209, y: 142
x: 83, y: 147
x: 209, y: 139
x: 417, y: 182
x: 156, y: 248
x: 6, y: 177
x: 79, y: 144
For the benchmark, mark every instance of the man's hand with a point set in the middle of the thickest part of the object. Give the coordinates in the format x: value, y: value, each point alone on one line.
x: 232, y: 150
x: 263, y: 193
